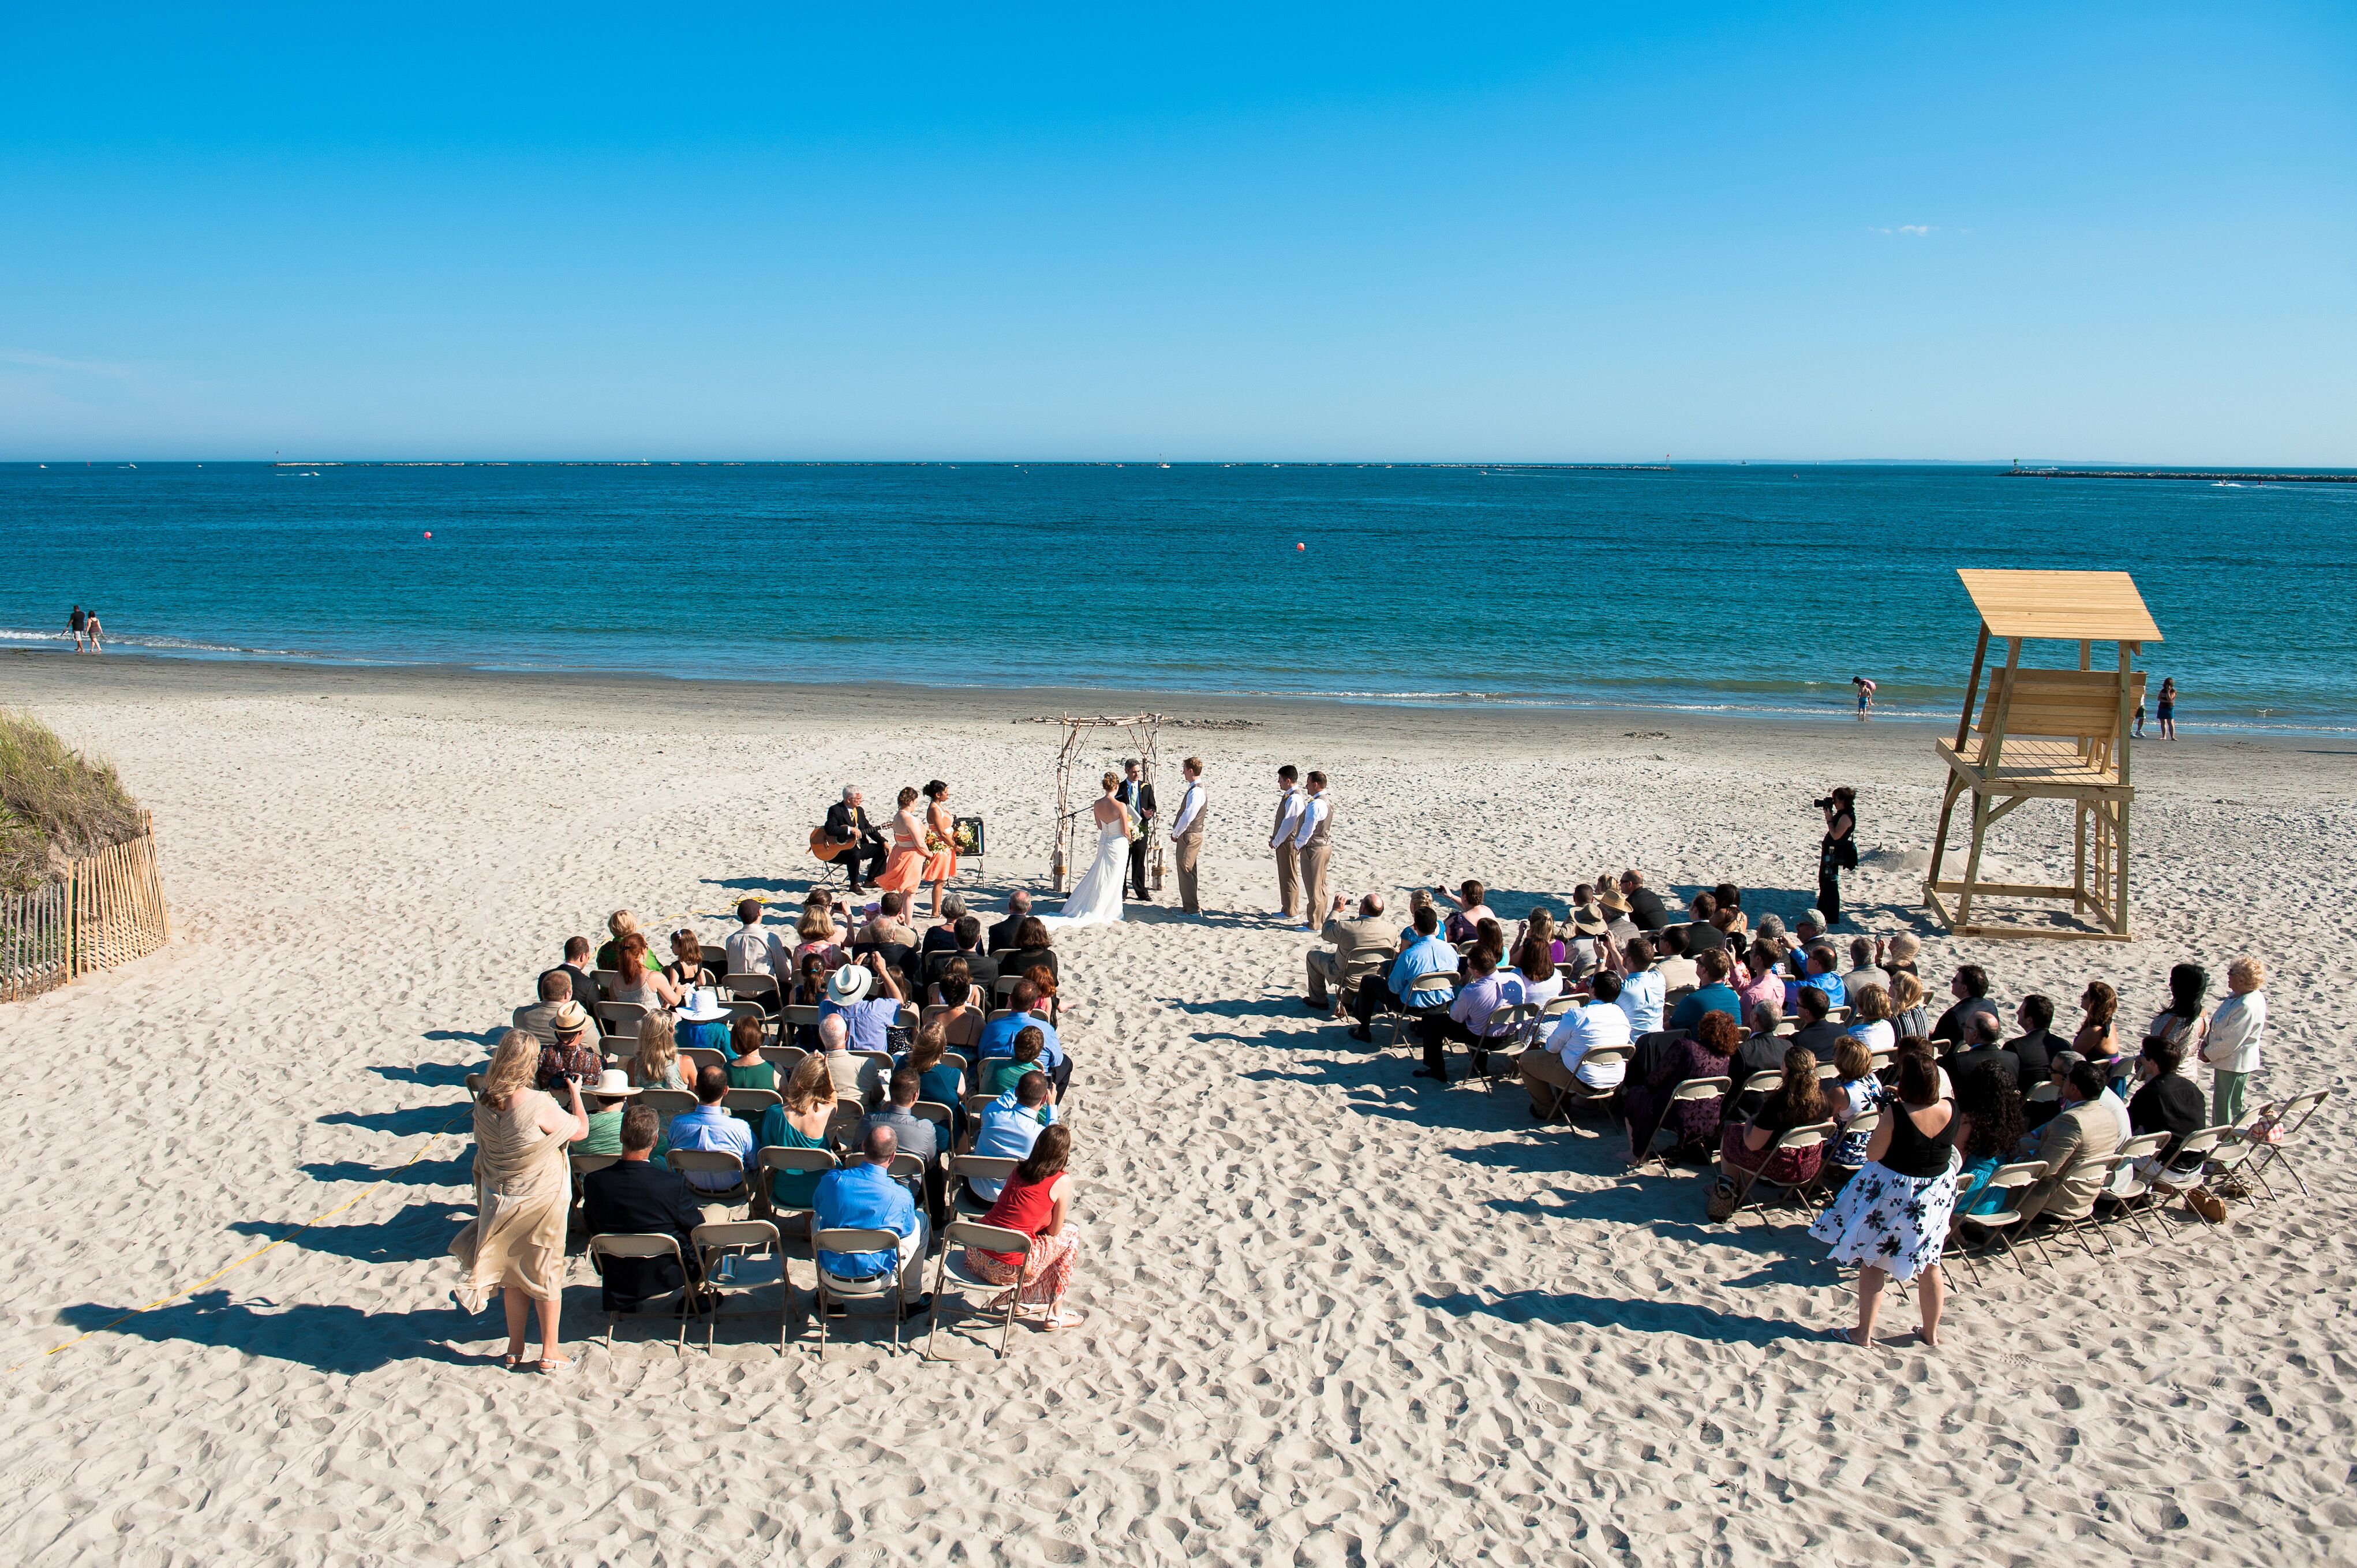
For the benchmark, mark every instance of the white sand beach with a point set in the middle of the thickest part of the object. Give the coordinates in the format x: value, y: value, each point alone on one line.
x: 1335, y: 1314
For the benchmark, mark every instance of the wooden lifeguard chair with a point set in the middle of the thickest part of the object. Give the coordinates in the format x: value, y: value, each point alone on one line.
x: 2048, y: 735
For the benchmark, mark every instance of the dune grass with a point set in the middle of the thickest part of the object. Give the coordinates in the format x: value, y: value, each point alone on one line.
x: 53, y: 798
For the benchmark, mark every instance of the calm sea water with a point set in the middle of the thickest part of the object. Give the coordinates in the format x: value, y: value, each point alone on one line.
x: 1747, y: 589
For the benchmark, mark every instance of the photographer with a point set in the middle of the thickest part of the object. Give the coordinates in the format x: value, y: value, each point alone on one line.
x: 1838, y: 851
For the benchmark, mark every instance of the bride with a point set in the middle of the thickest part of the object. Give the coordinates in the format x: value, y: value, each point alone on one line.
x: 1096, y: 901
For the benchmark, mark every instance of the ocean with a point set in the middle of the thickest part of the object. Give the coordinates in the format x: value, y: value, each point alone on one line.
x: 1753, y: 589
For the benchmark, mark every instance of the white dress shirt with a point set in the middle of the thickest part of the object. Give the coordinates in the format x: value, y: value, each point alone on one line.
x: 1315, y: 808
x: 1191, y: 806
x: 1288, y: 814
x: 752, y: 951
x: 1583, y: 1029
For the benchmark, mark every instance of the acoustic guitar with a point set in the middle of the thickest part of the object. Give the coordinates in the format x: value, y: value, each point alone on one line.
x: 826, y: 849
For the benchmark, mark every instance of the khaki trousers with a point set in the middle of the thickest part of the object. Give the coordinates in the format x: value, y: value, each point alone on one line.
x: 1189, y: 853
x: 1325, y: 970
x: 1289, y: 880
x: 1543, y: 1076
x: 1315, y: 858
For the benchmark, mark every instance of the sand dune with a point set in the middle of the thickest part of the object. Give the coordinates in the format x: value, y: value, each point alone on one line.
x: 1334, y: 1316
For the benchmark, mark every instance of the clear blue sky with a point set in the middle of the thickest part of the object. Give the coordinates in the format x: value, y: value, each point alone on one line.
x: 2120, y: 231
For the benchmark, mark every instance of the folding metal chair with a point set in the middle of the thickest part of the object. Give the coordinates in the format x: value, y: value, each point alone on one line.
x: 956, y: 1236
x: 635, y: 1244
x: 1813, y: 1135
x: 2002, y: 1225
x: 739, y: 1240
x: 1692, y: 1091
x: 835, y: 1288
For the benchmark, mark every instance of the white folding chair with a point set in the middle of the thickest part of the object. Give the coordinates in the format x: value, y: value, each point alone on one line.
x: 835, y: 1288
x: 635, y: 1244
x: 956, y: 1238
x: 1815, y: 1135
x: 731, y: 1267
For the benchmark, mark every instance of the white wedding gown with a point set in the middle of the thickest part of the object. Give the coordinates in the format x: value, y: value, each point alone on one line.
x: 1096, y: 900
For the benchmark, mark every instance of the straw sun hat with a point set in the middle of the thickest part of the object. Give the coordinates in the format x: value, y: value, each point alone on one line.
x: 613, y: 1084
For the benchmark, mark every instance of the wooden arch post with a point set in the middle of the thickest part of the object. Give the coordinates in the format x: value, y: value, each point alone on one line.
x: 1146, y: 729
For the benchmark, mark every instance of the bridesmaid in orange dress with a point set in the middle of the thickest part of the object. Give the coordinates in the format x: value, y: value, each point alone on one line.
x: 905, y: 871
x: 941, y: 843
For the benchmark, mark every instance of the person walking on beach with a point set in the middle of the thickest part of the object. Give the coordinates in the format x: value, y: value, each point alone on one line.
x: 1187, y: 834
x: 1865, y: 694
x: 90, y: 626
x: 75, y: 622
x: 2166, y: 712
x: 1280, y: 840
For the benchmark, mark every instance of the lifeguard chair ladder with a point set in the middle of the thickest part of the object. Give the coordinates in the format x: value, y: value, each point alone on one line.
x: 2048, y: 735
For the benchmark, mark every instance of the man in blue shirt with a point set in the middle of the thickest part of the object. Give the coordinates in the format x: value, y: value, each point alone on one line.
x: 867, y: 1018
x: 1023, y: 1012
x: 710, y: 1127
x: 1423, y: 976
x: 1010, y: 1125
x: 864, y: 1196
x: 1823, y: 975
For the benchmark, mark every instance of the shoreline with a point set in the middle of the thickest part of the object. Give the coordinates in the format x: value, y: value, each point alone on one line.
x: 65, y: 673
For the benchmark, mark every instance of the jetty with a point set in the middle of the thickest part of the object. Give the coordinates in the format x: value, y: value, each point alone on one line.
x: 2215, y: 478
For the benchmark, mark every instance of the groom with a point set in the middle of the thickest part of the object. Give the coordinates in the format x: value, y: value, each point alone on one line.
x: 1138, y: 795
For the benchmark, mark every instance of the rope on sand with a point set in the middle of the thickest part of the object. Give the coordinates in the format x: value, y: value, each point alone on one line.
x: 229, y: 1269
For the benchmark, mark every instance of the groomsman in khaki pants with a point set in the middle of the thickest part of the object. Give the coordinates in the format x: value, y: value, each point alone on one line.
x: 1280, y: 839
x: 1187, y: 834
x: 1310, y: 849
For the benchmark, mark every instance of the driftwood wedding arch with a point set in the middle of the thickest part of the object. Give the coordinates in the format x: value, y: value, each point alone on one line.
x: 1145, y: 729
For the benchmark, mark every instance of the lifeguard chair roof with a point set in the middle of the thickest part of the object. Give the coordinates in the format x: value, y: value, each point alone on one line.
x: 2093, y: 606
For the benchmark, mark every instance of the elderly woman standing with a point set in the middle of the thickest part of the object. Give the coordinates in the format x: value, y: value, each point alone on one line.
x: 2231, y: 1049
x: 523, y: 1189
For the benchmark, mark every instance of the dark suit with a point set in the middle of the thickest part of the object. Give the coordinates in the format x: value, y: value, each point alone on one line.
x: 1002, y: 935
x: 982, y: 967
x: 1822, y: 1039
x: 1645, y: 910
x: 1761, y: 1053
x: 2034, y: 1052
x: 849, y: 824
x: 634, y: 1197
x: 1964, y: 1064
x: 1139, y: 798
x: 1951, y: 1027
x: 1702, y: 937
x: 584, y: 989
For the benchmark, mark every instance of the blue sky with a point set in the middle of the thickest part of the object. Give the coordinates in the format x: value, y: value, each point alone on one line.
x: 1559, y: 232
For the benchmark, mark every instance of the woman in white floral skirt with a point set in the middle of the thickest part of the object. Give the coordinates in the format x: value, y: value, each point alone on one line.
x: 1892, y: 1219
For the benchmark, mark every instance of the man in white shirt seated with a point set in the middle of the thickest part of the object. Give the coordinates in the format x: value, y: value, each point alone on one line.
x: 1557, y: 1062
x: 752, y: 951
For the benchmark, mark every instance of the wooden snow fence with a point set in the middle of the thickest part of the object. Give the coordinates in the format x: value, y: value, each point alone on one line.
x: 106, y: 910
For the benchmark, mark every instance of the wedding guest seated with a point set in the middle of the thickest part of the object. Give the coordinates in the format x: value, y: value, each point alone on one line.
x: 1870, y: 1017
x: 1988, y: 1138
x: 1540, y: 923
x: 1617, y: 921
x: 798, y: 1123
x: 942, y: 936
x: 1037, y: 1203
x: 2073, y: 1145
x: 568, y: 1054
x: 1583, y: 950
x: 1709, y: 1052
x: 635, y: 1197
x: 1731, y: 918
x: 856, y: 1078
x: 890, y: 927
x: 686, y: 969
x: 1003, y: 935
x: 1897, y: 957
x: 968, y: 1002
x: 1000, y: 1074
x: 656, y: 1066
x: 1472, y: 901
x: 638, y: 981
x: 1703, y: 933
x: 747, y: 1068
x: 1797, y: 1102
x: 838, y: 913
x: 965, y: 948
x: 1535, y: 967
x: 1979, y: 1052
x: 701, y: 1023
x: 1863, y: 970
x: 916, y: 1135
x: 1762, y: 980
x: 1560, y: 1059
x: 620, y: 926
x: 1678, y: 974
x: 1818, y: 973
x: 1760, y: 1052
x: 2165, y: 1101
x: 575, y: 968
x: 937, y: 1081
x: 1642, y: 994
x: 862, y: 1196
x: 1362, y: 945
x: 808, y: 989
x: 556, y: 991
x: 1485, y: 991
x: 1910, y: 1019
x: 1822, y: 1037
x: 1808, y: 930
x: 1010, y: 1125
x: 751, y: 949
x: 1034, y: 949
x: 1712, y: 993
x: 1426, y: 967
x: 608, y: 1099
x: 1969, y: 985
x: 2099, y: 1012
x: 869, y: 1019
x: 2035, y: 1047
x: 1645, y: 909
x: 1855, y: 1091
x: 815, y: 937
x: 710, y: 1127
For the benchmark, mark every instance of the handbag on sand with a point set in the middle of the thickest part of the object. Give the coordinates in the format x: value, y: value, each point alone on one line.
x: 1723, y: 1202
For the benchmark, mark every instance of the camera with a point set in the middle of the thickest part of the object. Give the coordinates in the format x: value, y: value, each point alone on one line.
x: 1823, y: 803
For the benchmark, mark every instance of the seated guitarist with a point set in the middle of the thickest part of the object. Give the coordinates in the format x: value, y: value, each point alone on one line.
x: 853, y: 839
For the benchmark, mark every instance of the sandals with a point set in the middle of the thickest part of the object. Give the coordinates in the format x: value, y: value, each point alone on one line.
x: 1063, y: 1318
x: 555, y: 1364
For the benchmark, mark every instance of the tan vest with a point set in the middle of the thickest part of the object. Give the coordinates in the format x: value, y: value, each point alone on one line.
x: 1283, y: 800
x: 1317, y: 833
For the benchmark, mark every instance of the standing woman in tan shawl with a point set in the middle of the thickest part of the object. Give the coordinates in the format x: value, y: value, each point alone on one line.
x: 523, y: 1189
